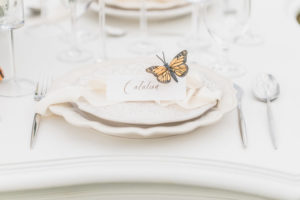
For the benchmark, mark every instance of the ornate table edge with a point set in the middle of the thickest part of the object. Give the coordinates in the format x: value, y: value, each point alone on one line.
x: 149, y: 168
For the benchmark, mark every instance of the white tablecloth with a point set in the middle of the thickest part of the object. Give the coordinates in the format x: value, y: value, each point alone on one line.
x: 210, y: 157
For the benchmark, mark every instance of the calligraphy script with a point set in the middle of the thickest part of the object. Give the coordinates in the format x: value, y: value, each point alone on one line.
x: 132, y: 86
x: 143, y: 88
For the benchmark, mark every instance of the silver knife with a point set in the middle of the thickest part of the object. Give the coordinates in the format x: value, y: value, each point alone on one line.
x: 35, y: 128
x: 242, y: 123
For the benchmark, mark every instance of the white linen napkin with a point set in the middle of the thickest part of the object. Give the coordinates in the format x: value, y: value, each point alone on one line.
x: 88, y: 84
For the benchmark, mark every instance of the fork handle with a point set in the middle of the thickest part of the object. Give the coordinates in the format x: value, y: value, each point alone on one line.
x: 35, y: 127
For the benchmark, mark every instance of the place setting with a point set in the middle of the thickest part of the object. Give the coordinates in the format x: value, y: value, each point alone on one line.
x: 151, y: 95
x: 129, y: 99
x: 190, y: 93
x: 164, y: 104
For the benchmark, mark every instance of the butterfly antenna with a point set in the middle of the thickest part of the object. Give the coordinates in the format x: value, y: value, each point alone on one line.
x: 160, y: 58
x: 164, y: 57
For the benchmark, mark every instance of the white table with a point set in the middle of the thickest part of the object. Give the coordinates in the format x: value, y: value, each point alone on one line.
x: 208, y: 163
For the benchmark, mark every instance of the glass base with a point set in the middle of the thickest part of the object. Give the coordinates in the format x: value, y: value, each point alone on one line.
x: 74, y: 56
x: 82, y: 36
x: 193, y: 42
x: 16, y: 87
x: 229, y: 69
x: 249, y: 39
x: 142, y: 47
x: 86, y: 35
x: 100, y: 60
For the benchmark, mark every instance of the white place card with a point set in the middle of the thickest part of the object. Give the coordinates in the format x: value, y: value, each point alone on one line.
x: 143, y: 88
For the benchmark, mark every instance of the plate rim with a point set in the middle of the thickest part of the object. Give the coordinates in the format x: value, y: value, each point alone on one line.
x: 152, y: 14
x: 211, y: 106
x: 153, y: 132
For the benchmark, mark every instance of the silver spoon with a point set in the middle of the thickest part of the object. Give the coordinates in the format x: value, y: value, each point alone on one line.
x: 266, y: 89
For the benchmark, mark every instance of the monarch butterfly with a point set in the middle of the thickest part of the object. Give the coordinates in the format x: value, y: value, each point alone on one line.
x: 1, y: 75
x: 177, y: 67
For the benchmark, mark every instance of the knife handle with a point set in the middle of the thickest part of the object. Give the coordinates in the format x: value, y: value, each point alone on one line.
x: 35, y: 128
x: 242, y: 126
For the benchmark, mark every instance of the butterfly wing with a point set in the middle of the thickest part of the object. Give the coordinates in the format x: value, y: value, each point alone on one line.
x: 178, y: 64
x: 1, y: 75
x: 165, y: 77
x: 161, y: 72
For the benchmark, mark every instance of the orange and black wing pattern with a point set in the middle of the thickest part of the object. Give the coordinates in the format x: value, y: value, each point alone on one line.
x: 161, y: 72
x: 178, y: 64
x: 1, y: 75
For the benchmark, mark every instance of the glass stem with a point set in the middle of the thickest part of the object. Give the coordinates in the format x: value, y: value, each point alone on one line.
x: 227, y: 6
x: 73, y: 7
x: 43, y: 10
x: 143, y: 19
x: 247, y: 30
x: 201, y: 17
x: 195, y: 18
x: 224, y: 57
x: 12, y: 48
x: 249, y: 8
x: 102, y: 34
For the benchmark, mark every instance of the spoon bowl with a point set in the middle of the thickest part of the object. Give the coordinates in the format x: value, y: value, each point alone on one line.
x: 266, y: 87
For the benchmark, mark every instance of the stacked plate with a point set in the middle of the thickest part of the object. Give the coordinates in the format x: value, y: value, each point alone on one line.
x: 143, y: 119
x: 157, y: 9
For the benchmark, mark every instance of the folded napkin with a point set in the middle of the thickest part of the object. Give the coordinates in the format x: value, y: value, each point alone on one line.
x: 87, y: 84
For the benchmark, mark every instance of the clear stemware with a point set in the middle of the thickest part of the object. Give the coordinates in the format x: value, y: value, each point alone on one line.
x: 194, y: 39
x: 225, y: 21
x: 84, y: 34
x: 248, y: 38
x: 74, y: 54
x: 11, y: 18
x: 143, y: 45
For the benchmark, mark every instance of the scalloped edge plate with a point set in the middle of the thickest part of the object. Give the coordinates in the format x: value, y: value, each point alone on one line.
x: 226, y: 104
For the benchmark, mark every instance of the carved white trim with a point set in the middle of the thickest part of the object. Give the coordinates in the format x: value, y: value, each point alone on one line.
x: 150, y: 169
x: 128, y: 191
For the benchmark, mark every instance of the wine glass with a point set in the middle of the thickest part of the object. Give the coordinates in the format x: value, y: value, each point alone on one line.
x: 194, y: 39
x: 248, y: 37
x: 143, y: 45
x: 84, y: 34
x: 74, y: 54
x: 11, y: 18
x: 225, y: 21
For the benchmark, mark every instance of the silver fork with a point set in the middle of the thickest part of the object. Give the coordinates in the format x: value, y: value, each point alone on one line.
x: 40, y: 92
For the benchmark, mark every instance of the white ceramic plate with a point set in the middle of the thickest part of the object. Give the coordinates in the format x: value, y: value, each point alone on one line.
x: 227, y: 103
x: 80, y: 119
x: 152, y: 14
x: 151, y: 5
x: 147, y: 113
